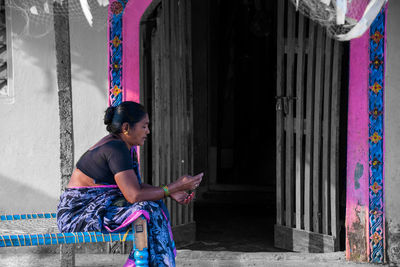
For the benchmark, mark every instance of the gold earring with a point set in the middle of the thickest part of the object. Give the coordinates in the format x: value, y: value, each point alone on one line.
x: 126, y: 132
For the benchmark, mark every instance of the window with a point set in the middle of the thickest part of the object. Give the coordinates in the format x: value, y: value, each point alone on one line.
x: 6, y: 89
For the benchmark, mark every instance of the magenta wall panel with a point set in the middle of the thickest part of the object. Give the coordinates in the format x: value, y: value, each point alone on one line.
x: 365, y: 215
x: 123, y: 42
x: 357, y: 152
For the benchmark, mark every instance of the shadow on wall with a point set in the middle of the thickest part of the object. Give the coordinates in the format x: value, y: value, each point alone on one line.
x: 32, y: 25
x: 18, y: 198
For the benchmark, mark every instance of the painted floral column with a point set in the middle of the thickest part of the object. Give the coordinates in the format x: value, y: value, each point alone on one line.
x: 123, y: 49
x: 376, y: 139
x: 365, y: 224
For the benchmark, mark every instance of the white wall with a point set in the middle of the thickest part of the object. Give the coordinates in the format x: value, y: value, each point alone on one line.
x: 89, y: 81
x: 29, y: 131
x: 392, y: 131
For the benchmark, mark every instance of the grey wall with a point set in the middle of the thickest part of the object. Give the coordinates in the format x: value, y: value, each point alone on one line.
x: 29, y: 154
x: 89, y: 80
x: 29, y: 135
x: 392, y: 132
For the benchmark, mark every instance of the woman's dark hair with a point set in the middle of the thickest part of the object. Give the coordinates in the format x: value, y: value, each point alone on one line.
x: 128, y: 111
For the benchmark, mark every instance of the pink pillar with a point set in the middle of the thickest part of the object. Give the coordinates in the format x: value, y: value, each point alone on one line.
x: 130, y: 57
x: 357, y: 237
x: 124, y: 52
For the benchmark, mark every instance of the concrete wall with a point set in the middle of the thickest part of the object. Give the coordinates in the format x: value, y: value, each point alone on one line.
x: 392, y: 132
x: 29, y: 136
x: 89, y: 80
x: 29, y: 156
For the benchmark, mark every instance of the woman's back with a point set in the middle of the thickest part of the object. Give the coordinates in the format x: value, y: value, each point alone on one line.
x: 104, y: 160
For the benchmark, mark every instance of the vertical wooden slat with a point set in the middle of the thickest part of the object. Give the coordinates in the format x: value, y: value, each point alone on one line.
x: 182, y: 99
x: 190, y: 98
x: 300, y: 124
x: 317, y: 129
x: 289, y: 175
x: 164, y: 142
x: 334, y: 168
x: 166, y: 70
x: 175, y: 97
x: 144, y: 164
x: 186, y: 105
x: 309, y: 127
x: 189, y: 150
x: 179, y: 5
x: 326, y: 136
x: 155, y: 108
x: 279, y: 115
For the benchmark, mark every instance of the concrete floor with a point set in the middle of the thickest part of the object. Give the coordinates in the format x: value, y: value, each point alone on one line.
x: 189, y: 258
x: 245, y: 239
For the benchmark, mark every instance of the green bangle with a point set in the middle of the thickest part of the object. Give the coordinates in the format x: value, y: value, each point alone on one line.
x: 166, y: 190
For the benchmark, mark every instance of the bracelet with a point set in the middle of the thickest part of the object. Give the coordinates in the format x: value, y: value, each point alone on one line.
x: 166, y: 190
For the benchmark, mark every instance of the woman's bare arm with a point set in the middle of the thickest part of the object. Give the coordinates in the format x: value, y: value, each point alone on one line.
x: 133, y: 192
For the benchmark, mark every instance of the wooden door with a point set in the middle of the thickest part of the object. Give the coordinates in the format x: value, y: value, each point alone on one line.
x: 308, y: 98
x: 166, y: 91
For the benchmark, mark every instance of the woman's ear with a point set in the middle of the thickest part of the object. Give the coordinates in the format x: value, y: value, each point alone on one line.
x: 125, y: 127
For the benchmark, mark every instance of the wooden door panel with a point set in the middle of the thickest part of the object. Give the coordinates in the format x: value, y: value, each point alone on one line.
x: 308, y: 92
x: 167, y: 93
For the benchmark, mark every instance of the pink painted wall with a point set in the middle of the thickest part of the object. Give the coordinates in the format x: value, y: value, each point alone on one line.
x: 130, y: 58
x: 357, y: 152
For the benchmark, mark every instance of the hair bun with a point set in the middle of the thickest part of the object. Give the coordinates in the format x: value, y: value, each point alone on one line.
x: 109, y: 115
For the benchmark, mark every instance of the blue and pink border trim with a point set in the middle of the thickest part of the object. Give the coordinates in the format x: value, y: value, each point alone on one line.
x: 115, y: 50
x: 365, y: 203
x: 376, y: 84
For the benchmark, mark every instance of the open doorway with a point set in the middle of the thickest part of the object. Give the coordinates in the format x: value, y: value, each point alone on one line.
x: 235, y: 48
x: 218, y: 102
x: 238, y: 199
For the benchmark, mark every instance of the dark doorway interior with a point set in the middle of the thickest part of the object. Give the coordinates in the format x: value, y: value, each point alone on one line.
x: 234, y: 77
x: 234, y: 65
x: 245, y: 59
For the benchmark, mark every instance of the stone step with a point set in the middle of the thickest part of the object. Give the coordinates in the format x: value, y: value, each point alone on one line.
x: 233, y: 259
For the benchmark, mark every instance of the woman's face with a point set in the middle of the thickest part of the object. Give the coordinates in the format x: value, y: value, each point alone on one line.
x: 138, y: 134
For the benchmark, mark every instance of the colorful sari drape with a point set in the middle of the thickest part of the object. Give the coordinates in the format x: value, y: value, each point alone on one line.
x: 103, y: 208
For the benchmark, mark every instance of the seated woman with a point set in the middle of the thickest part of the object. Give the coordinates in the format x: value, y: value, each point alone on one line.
x: 105, y: 192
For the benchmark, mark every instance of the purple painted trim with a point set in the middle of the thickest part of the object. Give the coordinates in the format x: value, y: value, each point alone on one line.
x: 175, y: 252
x: 131, y: 219
x: 96, y: 186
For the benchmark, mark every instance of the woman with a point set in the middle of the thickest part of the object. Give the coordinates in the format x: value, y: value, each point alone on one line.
x: 105, y: 192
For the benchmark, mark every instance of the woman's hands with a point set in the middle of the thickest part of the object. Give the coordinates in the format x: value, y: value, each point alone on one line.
x: 187, y: 182
x: 184, y: 184
x: 182, y: 197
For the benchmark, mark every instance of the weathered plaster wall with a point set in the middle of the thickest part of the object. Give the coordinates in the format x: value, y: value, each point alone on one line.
x: 89, y: 80
x: 392, y: 134
x: 29, y: 136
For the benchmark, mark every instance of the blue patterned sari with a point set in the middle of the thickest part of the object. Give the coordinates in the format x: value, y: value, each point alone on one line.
x: 103, y: 208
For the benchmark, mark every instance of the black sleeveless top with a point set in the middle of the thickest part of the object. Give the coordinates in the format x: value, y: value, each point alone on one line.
x: 104, y: 161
